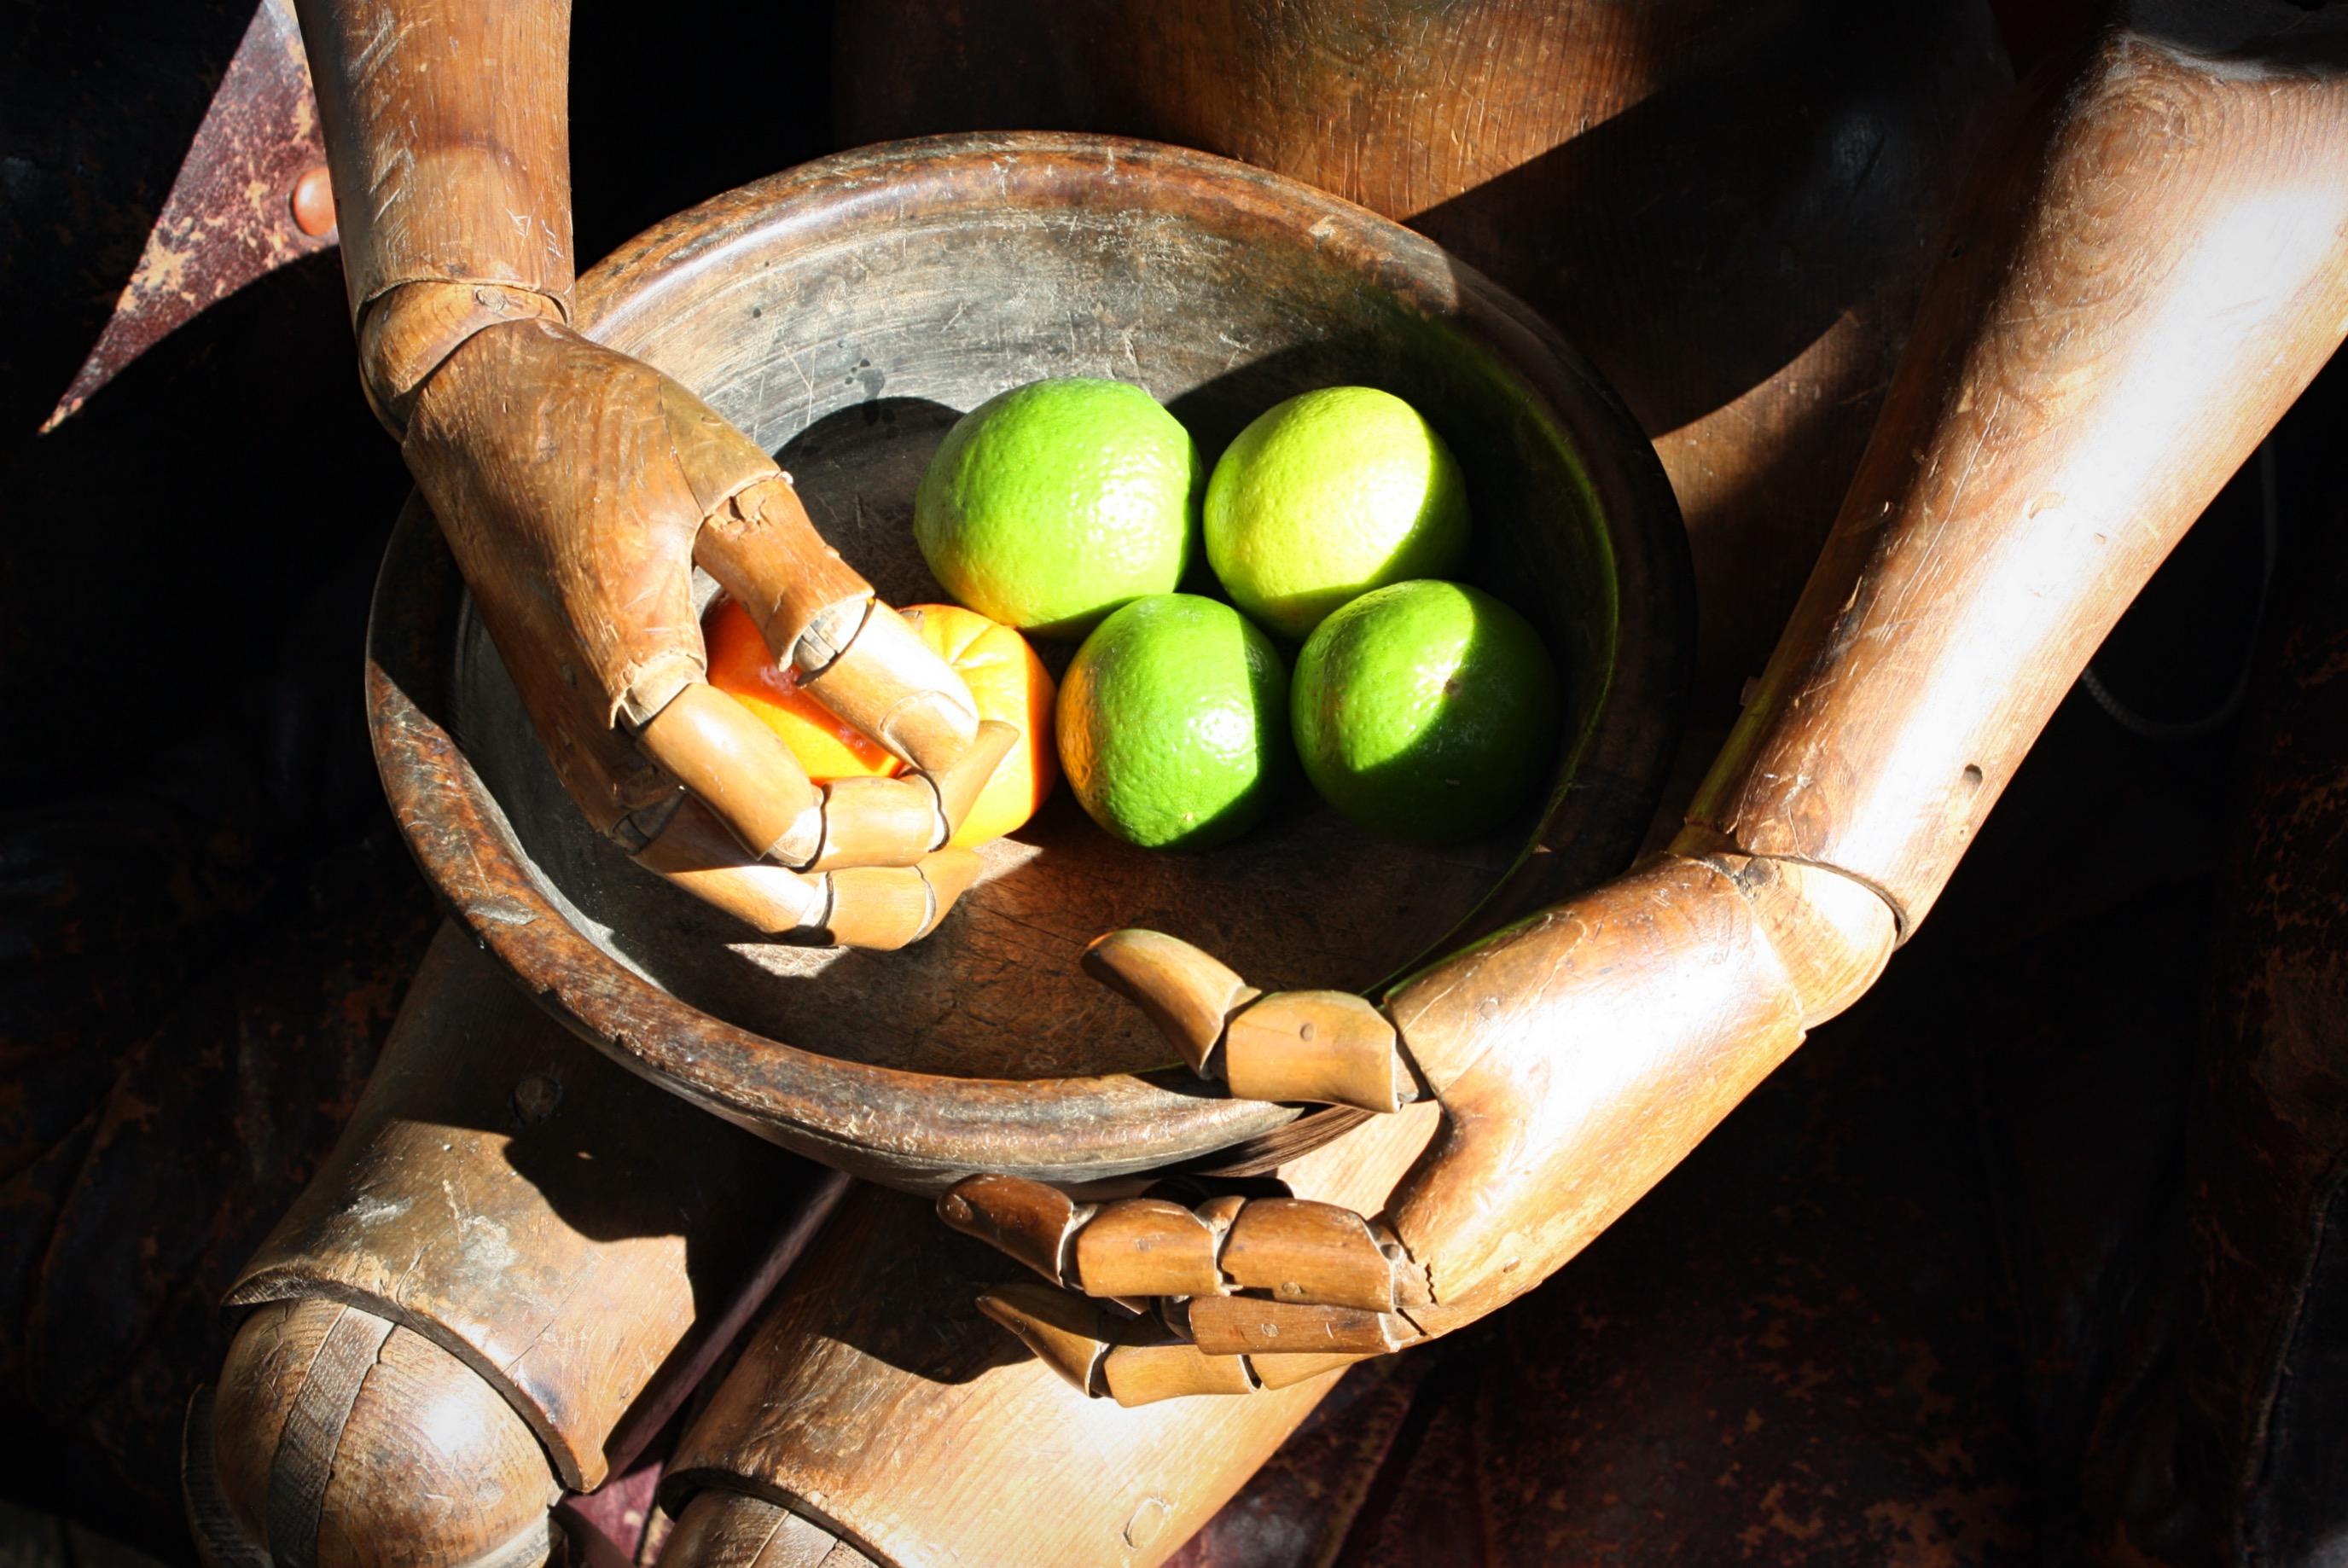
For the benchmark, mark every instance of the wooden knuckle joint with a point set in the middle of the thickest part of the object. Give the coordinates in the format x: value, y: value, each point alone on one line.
x: 1146, y: 1247
x: 878, y: 908
x: 876, y: 822
x: 891, y: 685
x: 760, y: 546
x: 1300, y: 1251
x: 718, y: 462
x: 410, y: 330
x: 1030, y: 1221
x: 1328, y: 1047
x: 955, y: 788
x: 1188, y: 994
x: 1412, y: 1285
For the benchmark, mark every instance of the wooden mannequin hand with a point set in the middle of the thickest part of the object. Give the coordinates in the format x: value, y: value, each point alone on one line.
x: 578, y: 488
x: 1574, y: 1059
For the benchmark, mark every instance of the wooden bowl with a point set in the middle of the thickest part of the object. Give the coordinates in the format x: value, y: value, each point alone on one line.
x: 846, y: 314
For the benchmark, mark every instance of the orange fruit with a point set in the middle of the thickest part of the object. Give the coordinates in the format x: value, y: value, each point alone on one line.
x: 827, y: 745
x: 1006, y: 678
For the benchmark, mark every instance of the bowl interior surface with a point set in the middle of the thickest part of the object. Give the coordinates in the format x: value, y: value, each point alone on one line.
x: 847, y: 335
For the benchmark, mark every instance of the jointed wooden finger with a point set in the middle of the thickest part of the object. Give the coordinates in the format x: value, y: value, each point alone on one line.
x: 739, y: 768
x: 1296, y: 1251
x: 878, y: 822
x: 1239, y: 1325
x: 1107, y: 1357
x: 874, y: 907
x: 765, y: 552
x: 1328, y: 1047
x: 891, y: 685
x: 885, y: 908
x: 1187, y: 993
x: 700, y: 855
x: 1332, y: 1047
x: 854, y: 653
x: 728, y: 760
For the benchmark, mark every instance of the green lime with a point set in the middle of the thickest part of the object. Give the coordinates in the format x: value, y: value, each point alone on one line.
x: 1425, y: 711
x: 1173, y: 722
x: 1051, y: 504
x: 1327, y: 496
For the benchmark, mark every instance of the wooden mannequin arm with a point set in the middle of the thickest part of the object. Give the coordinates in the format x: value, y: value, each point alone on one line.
x: 2143, y: 277
x: 578, y: 488
x: 448, y: 137
x: 2118, y: 324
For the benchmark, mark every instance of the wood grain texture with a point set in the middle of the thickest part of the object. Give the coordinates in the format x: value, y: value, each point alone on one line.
x: 2122, y: 318
x: 574, y: 522
x: 735, y: 1529
x: 514, y: 1196
x: 1729, y: 207
x: 793, y: 305
x: 448, y: 130
x: 312, y: 1431
x: 344, y: 1441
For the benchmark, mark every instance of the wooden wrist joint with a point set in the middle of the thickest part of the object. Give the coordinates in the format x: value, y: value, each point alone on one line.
x: 410, y: 330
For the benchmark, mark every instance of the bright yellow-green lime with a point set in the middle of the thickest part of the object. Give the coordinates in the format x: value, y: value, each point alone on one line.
x: 1051, y: 504
x: 1173, y: 722
x: 1327, y: 496
x: 1425, y: 711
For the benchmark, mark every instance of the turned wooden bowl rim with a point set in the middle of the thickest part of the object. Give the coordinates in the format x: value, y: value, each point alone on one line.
x: 914, y: 1129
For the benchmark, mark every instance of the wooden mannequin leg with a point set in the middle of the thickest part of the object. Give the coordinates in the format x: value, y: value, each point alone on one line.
x: 512, y: 1268
x: 876, y: 1404
x: 876, y: 1413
